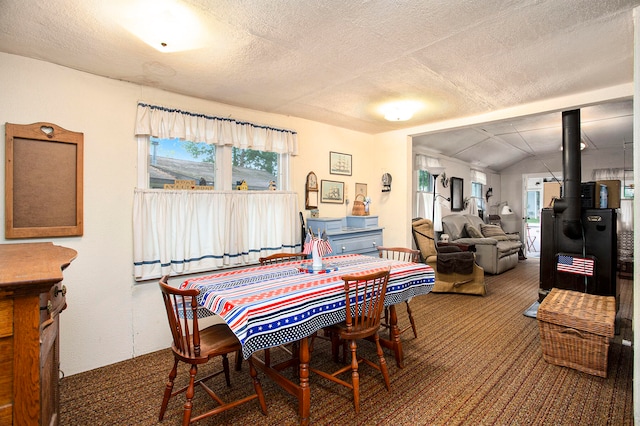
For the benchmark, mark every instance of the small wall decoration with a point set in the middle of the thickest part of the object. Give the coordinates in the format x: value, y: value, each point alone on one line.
x: 361, y: 189
x: 332, y: 192
x: 339, y: 164
x: 457, y: 198
x: 311, y: 192
x: 386, y: 182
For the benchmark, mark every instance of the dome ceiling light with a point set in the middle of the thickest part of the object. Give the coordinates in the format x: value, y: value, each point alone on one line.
x: 400, y: 111
x: 165, y: 25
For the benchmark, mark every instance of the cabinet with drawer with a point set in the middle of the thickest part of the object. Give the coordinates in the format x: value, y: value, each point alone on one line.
x: 345, y: 238
x: 31, y: 298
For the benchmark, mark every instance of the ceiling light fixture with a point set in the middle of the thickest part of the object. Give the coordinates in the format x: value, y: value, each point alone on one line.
x: 400, y: 111
x: 166, y: 25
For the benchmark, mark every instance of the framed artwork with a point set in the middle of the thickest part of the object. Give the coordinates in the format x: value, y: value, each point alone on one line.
x: 361, y: 189
x: 43, y: 200
x: 457, y: 194
x: 332, y: 192
x: 339, y: 164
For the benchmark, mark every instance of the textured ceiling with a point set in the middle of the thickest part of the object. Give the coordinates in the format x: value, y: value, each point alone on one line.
x: 501, y: 144
x: 337, y: 61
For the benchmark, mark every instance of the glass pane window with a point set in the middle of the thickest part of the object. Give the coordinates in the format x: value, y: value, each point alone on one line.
x: 476, y: 192
x: 425, y: 181
x: 533, y: 206
x: 258, y: 169
x: 175, y: 159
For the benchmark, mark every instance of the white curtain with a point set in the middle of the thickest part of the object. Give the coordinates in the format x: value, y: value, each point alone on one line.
x: 424, y: 162
x: 473, y: 206
x: 478, y: 177
x: 181, y: 232
x: 424, y: 205
x: 613, y: 174
x: 162, y: 122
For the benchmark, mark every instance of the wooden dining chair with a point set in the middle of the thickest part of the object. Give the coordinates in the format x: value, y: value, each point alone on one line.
x: 404, y: 255
x: 194, y: 347
x: 364, y: 300
x: 281, y: 257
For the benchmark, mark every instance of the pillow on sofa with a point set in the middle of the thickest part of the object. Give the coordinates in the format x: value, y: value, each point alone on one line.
x: 472, y: 231
x: 493, y: 231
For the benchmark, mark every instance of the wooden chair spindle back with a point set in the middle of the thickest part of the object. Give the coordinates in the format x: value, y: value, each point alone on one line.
x: 365, y: 300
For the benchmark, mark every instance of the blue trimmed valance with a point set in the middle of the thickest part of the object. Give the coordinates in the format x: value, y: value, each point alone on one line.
x: 162, y: 122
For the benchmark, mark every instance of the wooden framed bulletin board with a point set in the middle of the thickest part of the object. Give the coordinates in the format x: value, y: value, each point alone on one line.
x: 43, y: 181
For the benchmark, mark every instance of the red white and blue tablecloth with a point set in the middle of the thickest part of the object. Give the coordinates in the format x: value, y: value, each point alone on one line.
x: 267, y: 306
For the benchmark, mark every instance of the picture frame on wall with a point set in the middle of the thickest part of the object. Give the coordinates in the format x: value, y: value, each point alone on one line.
x: 339, y: 163
x: 361, y: 189
x: 331, y: 192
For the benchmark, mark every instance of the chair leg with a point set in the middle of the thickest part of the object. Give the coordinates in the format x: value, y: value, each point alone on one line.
x: 257, y: 386
x: 239, y: 360
x: 168, y: 389
x: 225, y: 368
x: 411, y: 320
x: 355, y: 377
x: 382, y: 362
x: 267, y: 357
x: 188, y: 405
x: 335, y: 346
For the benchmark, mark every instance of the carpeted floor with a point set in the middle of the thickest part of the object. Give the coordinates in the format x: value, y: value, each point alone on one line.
x: 477, y: 360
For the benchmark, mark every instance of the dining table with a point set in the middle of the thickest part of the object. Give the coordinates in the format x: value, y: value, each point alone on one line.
x: 268, y: 306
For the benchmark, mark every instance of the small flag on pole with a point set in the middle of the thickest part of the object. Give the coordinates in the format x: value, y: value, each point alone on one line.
x: 575, y: 265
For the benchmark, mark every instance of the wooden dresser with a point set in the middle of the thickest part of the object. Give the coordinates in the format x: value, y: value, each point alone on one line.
x: 31, y: 297
x: 351, y: 234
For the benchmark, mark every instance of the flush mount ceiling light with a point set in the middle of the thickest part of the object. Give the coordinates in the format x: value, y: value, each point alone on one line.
x: 166, y: 25
x: 400, y: 111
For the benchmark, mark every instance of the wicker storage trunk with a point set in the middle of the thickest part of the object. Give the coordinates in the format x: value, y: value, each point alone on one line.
x: 575, y: 329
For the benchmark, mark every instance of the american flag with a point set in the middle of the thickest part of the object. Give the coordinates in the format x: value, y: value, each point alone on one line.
x: 321, y: 243
x: 575, y: 265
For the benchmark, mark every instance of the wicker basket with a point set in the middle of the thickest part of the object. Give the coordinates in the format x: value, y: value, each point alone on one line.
x: 575, y: 329
x: 358, y: 206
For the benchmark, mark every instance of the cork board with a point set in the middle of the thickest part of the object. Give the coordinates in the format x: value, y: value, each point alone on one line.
x: 43, y: 181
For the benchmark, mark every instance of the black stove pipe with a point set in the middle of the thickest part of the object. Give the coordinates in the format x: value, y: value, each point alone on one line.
x: 570, y: 205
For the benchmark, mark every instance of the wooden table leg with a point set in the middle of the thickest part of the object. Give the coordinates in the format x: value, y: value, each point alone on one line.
x: 304, y: 397
x: 299, y: 390
x: 394, y: 342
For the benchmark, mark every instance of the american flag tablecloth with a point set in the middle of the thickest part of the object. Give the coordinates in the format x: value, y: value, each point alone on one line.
x: 270, y: 305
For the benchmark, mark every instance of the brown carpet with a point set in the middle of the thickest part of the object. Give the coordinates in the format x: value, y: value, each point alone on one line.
x: 477, y: 361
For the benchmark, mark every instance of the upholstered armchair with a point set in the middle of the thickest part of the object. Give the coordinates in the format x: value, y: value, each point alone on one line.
x: 456, y: 270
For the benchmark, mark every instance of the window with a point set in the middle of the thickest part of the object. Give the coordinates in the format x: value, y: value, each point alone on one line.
x: 533, y: 206
x: 174, y: 159
x: 476, y: 192
x: 256, y: 168
x: 425, y: 181
x: 171, y: 159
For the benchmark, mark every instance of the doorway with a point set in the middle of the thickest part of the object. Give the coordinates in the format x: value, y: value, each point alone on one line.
x: 539, y: 192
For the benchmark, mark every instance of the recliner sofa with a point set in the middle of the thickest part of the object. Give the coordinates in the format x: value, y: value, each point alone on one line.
x: 496, y: 254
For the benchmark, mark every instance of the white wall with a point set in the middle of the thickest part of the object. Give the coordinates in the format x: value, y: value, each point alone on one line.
x: 512, y: 184
x: 109, y: 317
